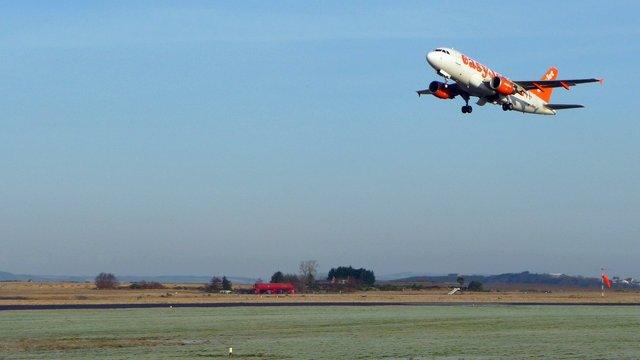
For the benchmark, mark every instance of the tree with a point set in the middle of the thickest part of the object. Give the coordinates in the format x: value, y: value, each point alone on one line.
x: 214, y: 285
x: 106, y: 281
x: 277, y: 277
x: 308, y: 270
x: 226, y: 284
x: 475, y: 286
x: 460, y: 281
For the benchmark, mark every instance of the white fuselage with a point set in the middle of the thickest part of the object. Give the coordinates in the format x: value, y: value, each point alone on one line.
x: 473, y: 78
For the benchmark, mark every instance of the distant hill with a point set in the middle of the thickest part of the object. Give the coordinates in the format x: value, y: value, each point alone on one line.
x: 524, y: 277
x: 182, y: 279
x: 7, y: 276
x: 402, y: 275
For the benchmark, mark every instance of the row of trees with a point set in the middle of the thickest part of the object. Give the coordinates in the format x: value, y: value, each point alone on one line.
x: 109, y: 281
x: 304, y: 280
x: 340, y: 277
x: 280, y: 277
x: 357, y: 277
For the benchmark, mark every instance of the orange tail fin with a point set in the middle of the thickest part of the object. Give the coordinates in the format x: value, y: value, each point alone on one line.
x: 545, y: 94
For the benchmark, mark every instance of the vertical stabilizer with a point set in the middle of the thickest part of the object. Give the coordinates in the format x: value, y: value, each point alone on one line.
x: 545, y: 93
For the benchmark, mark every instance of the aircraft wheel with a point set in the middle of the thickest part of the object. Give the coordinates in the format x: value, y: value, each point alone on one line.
x: 467, y: 109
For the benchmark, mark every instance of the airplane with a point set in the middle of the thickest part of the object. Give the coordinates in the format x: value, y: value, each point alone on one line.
x: 471, y: 78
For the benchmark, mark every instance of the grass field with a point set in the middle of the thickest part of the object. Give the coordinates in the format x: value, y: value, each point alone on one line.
x: 580, y: 332
x: 26, y: 293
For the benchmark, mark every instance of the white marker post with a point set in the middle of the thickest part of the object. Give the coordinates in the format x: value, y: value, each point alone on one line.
x: 230, y: 351
x: 602, y: 280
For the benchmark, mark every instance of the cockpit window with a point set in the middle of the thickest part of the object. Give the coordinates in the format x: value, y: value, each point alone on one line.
x: 443, y: 50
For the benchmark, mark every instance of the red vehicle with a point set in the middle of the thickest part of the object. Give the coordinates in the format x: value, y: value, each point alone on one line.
x: 274, y: 288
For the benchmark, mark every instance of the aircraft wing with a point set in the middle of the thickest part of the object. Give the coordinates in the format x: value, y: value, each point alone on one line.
x: 563, y: 106
x: 542, y: 84
x: 423, y: 92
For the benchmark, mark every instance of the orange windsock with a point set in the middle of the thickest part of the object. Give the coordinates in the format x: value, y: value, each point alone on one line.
x: 606, y: 281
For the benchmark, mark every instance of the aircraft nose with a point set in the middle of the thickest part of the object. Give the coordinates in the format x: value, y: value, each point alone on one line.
x: 432, y: 59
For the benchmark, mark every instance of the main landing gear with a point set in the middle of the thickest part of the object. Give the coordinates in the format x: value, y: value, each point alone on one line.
x: 467, y: 109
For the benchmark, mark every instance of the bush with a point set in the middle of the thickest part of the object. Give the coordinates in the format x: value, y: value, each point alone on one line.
x: 390, y: 287
x: 106, y: 281
x: 146, y: 285
x: 475, y: 286
x: 415, y: 286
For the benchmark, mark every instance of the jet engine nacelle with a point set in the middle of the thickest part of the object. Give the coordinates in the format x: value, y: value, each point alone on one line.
x: 441, y: 90
x: 502, y: 86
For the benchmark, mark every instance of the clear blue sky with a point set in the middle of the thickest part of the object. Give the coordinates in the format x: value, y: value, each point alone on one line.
x: 240, y: 138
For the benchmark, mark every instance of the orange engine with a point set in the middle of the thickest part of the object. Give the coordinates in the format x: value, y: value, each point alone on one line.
x: 441, y: 90
x: 502, y: 86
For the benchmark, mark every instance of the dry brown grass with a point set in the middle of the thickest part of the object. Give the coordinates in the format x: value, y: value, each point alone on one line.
x: 25, y: 293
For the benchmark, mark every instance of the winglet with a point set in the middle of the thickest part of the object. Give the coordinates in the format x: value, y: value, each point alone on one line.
x: 601, y: 81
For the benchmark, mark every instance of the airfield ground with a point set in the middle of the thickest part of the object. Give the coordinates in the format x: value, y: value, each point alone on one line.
x: 394, y: 332
x: 27, y: 293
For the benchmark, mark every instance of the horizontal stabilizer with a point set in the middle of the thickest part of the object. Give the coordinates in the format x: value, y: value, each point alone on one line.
x: 563, y: 106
